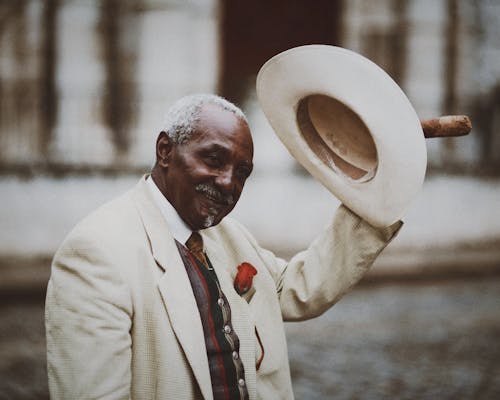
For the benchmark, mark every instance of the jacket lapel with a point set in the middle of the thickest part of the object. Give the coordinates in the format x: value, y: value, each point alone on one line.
x: 175, y: 288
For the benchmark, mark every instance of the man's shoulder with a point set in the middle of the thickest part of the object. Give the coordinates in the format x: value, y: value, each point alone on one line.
x: 111, y: 221
x: 228, y: 224
x: 230, y: 228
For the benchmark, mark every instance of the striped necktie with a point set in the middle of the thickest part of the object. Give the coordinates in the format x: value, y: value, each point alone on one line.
x: 195, y: 246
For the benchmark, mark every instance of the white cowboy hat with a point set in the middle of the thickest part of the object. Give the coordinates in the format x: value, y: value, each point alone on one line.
x: 349, y: 124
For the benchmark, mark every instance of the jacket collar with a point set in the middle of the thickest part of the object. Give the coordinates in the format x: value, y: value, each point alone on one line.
x: 179, y: 229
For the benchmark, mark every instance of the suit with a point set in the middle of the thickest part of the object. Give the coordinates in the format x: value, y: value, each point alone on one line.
x: 122, y: 321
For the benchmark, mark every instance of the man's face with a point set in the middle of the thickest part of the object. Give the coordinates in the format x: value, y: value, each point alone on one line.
x: 205, y: 176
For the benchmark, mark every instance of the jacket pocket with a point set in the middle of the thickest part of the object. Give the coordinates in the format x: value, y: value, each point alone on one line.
x: 269, y: 336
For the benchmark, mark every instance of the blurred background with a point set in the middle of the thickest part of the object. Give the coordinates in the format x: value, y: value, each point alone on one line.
x: 84, y: 85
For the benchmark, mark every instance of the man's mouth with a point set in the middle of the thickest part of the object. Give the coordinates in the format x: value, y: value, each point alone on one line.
x: 213, y: 194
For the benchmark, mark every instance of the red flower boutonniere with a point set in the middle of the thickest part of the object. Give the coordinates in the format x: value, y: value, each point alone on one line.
x: 244, y: 278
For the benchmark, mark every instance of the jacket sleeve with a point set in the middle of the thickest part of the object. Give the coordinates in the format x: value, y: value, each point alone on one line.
x: 88, y: 315
x: 313, y: 280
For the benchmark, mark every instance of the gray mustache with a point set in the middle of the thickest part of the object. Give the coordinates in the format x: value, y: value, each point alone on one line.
x: 214, y: 193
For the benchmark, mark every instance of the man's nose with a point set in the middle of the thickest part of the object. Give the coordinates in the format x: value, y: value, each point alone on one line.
x: 225, y: 180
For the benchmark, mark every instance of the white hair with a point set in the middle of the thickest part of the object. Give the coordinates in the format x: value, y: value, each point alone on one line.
x: 182, y: 117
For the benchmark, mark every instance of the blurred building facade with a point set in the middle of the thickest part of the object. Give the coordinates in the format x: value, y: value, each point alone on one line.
x: 84, y: 83
x: 82, y: 80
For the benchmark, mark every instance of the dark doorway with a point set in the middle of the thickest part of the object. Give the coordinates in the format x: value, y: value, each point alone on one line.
x: 254, y: 31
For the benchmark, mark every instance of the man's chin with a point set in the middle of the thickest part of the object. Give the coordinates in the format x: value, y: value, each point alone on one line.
x: 209, y: 222
x: 210, y: 216
x: 206, y: 220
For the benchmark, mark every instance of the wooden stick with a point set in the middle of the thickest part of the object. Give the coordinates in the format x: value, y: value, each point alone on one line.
x: 446, y: 126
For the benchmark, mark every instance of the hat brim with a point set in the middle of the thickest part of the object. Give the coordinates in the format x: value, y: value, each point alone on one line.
x: 363, y: 87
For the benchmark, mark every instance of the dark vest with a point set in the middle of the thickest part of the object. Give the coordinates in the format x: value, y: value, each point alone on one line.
x: 222, y: 343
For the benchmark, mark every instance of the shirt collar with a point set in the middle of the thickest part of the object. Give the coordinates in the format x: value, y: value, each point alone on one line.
x: 179, y: 229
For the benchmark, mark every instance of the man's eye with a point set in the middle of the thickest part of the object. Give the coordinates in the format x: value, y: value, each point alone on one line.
x: 213, y: 160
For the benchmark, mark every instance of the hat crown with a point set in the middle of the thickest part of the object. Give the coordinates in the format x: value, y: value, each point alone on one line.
x: 338, y: 136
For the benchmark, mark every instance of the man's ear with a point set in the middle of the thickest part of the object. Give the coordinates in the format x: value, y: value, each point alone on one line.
x: 164, y: 147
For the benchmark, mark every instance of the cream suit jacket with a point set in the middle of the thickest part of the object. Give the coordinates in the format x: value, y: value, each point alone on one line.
x: 122, y: 321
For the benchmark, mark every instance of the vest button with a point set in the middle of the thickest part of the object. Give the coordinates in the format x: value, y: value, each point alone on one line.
x: 241, y: 382
x: 220, y: 302
x: 235, y: 355
x: 227, y: 329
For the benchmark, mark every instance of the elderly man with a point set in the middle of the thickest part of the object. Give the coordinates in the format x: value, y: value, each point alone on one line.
x: 158, y: 295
